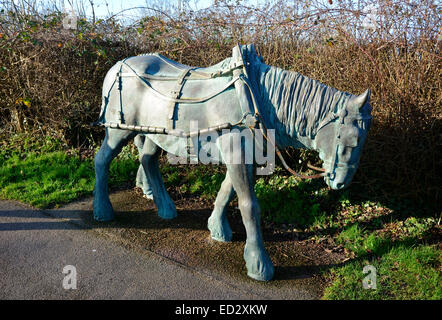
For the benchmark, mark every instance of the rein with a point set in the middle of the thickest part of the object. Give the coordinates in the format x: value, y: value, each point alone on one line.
x: 285, y: 165
x: 278, y: 152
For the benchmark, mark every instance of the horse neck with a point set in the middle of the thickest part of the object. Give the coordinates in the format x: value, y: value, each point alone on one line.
x: 294, y: 105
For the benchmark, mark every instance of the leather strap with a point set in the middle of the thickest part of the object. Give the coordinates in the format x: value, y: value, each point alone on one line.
x: 175, y: 94
x: 183, y: 100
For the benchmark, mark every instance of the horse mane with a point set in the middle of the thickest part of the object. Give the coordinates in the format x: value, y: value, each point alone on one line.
x: 299, y: 103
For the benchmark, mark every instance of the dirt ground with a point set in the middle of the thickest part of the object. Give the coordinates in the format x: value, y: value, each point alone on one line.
x: 186, y: 240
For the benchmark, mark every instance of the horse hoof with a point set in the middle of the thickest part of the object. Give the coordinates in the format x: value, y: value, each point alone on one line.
x: 258, y: 263
x: 167, y: 216
x: 219, y: 231
x: 103, y: 212
x: 168, y: 213
x: 148, y: 195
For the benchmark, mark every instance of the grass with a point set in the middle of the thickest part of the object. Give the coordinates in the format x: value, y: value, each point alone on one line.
x: 403, y: 272
x: 203, y: 181
x: 406, y: 267
x: 290, y: 201
x: 45, y: 180
x: 391, y: 236
x: 396, y: 237
x: 44, y: 176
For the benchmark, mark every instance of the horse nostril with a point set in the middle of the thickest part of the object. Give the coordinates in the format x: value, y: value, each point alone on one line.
x: 339, y: 185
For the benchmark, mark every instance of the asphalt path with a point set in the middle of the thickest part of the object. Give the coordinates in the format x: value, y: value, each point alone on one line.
x: 35, y: 247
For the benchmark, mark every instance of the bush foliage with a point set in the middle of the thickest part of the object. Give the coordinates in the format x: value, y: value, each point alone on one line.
x: 51, y: 77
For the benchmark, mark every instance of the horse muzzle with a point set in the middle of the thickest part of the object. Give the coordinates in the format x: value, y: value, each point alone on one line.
x: 340, y: 178
x: 335, y: 185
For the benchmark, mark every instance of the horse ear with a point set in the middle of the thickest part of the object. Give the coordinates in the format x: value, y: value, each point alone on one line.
x: 357, y: 102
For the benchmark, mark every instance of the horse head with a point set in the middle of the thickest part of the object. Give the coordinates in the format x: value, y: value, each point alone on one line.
x: 340, y: 139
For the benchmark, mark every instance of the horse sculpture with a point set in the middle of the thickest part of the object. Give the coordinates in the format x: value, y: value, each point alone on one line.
x: 153, y: 99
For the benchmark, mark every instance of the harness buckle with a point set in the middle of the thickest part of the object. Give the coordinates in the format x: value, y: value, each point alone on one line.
x: 249, y: 120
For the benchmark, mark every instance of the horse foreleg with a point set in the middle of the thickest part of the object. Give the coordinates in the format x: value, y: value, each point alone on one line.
x: 141, y: 181
x: 149, y: 161
x: 113, y: 142
x: 258, y: 263
x: 218, y: 225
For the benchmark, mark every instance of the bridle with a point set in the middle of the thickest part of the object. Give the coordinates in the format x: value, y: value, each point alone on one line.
x: 340, y: 114
x: 334, y: 164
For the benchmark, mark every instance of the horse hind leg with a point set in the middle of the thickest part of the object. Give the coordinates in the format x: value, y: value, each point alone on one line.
x: 149, y: 161
x: 113, y: 142
x: 218, y: 224
x: 141, y: 181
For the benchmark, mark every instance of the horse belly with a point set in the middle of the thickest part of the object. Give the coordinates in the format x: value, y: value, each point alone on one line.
x: 189, y: 150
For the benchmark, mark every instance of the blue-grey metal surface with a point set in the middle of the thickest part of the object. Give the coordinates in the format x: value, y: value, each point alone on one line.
x: 145, y: 90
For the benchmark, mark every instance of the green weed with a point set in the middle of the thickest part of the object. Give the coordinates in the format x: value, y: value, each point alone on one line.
x: 52, y: 178
x: 403, y: 272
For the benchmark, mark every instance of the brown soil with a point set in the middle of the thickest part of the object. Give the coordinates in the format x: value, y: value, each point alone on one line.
x: 186, y: 240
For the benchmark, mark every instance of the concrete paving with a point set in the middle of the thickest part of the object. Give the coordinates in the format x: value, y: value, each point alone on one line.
x: 35, y: 246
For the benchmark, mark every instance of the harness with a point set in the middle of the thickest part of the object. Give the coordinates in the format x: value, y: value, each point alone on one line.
x: 251, y: 118
x: 236, y: 67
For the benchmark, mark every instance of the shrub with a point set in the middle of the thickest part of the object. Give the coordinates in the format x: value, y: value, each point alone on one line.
x: 51, y: 77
